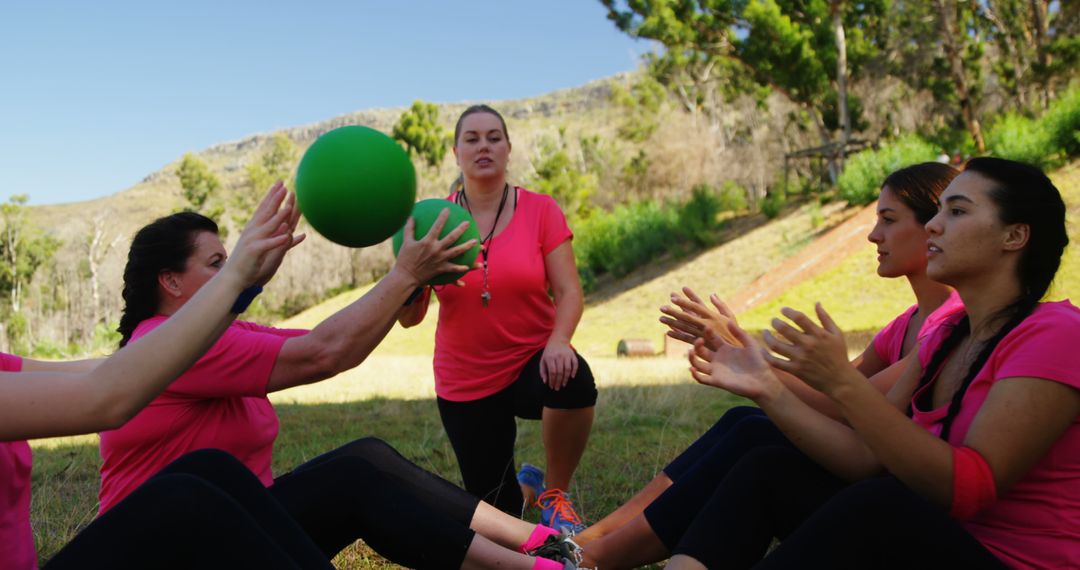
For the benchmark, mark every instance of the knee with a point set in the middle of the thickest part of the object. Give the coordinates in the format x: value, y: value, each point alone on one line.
x: 370, y: 448
x: 205, y: 461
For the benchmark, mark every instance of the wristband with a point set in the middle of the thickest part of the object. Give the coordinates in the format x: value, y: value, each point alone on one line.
x: 973, y: 484
x: 413, y: 296
x: 244, y: 299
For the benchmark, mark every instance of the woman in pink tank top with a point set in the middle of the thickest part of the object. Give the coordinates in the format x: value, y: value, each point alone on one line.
x: 972, y: 460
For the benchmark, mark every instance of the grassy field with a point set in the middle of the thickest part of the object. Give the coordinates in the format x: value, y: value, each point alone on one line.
x: 649, y: 409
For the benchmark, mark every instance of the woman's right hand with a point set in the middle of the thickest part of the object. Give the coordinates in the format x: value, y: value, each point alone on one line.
x: 741, y: 370
x: 689, y: 321
x: 266, y: 238
x: 428, y: 257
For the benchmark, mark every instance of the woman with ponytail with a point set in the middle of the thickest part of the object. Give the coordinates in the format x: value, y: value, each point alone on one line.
x: 972, y: 460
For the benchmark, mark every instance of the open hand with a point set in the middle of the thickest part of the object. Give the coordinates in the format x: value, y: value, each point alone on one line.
x: 816, y: 354
x: 430, y: 256
x: 741, y: 370
x: 266, y: 237
x: 691, y: 316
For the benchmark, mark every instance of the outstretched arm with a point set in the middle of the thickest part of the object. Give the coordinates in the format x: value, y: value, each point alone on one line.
x: 345, y: 339
x: 44, y: 404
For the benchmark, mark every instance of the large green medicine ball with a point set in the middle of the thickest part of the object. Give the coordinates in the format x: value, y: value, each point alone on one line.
x: 425, y: 212
x: 355, y: 186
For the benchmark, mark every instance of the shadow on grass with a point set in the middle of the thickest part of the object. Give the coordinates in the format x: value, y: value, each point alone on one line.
x: 638, y: 429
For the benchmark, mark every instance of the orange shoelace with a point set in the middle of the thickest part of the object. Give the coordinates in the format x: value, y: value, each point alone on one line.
x: 563, y: 507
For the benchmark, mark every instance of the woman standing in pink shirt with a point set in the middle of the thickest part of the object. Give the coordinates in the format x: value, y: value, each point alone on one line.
x: 502, y: 346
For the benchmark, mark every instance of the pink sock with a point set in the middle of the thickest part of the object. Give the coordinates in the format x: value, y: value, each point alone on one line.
x: 538, y: 536
x: 545, y: 564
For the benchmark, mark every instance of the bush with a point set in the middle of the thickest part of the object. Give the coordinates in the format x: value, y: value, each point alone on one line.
x: 1016, y: 137
x: 732, y: 197
x: 862, y: 176
x: 772, y: 204
x: 697, y: 217
x: 624, y: 239
x: 1062, y: 123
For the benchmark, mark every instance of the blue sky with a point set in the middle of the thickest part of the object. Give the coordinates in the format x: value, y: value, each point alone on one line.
x: 96, y: 95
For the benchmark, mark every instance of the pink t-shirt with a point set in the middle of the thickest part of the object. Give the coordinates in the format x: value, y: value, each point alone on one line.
x: 16, y: 537
x: 481, y: 350
x: 220, y: 402
x: 889, y: 341
x: 1036, y: 523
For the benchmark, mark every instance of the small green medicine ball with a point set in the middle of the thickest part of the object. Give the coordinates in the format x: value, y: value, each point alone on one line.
x: 355, y: 186
x: 425, y: 212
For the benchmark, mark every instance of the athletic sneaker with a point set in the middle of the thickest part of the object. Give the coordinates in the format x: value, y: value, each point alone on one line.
x: 557, y: 512
x: 532, y: 477
x: 558, y: 547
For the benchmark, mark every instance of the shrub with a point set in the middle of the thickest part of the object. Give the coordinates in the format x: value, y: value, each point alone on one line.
x: 1062, y: 123
x: 772, y: 204
x: 697, y: 217
x: 862, y: 176
x: 1016, y: 137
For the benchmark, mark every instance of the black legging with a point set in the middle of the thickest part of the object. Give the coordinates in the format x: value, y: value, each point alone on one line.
x: 483, y: 432
x: 698, y: 471
x: 204, y: 510
x: 822, y: 523
x: 366, y: 489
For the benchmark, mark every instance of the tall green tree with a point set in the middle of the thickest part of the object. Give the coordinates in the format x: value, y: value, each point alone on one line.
x: 276, y: 163
x: 197, y: 181
x: 23, y: 249
x: 419, y: 130
x: 713, y: 47
x: 564, y: 177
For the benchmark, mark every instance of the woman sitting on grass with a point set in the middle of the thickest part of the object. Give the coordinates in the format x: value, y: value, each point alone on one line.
x: 972, y: 460
x: 649, y: 525
x: 361, y: 490
x: 203, y: 511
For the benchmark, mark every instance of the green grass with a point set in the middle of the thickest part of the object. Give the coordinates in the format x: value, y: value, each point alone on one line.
x: 861, y: 301
x: 648, y: 411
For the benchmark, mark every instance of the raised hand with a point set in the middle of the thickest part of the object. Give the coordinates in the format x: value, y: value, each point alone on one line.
x: 816, y: 354
x: 430, y: 256
x: 692, y: 317
x: 741, y: 370
x: 266, y: 238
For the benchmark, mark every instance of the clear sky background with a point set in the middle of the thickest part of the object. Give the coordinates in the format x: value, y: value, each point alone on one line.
x: 95, y: 95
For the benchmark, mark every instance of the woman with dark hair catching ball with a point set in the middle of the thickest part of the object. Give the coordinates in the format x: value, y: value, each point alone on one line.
x: 502, y: 346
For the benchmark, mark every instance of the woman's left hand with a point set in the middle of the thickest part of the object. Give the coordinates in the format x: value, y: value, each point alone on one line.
x: 816, y: 354
x: 558, y: 364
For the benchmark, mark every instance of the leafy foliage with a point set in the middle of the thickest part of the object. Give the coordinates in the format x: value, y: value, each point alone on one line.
x: 861, y: 179
x: 564, y: 178
x: 200, y: 186
x: 276, y: 163
x: 418, y: 129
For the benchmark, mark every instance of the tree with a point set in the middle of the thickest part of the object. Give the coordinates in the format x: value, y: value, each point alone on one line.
x: 789, y: 46
x: 277, y: 163
x: 564, y: 178
x: 419, y: 130
x: 23, y: 249
x: 197, y: 181
x: 97, y: 246
x: 955, y: 21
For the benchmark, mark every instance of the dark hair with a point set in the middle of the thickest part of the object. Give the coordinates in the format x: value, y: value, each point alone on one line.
x: 1023, y: 195
x: 919, y: 185
x: 479, y: 109
x: 164, y: 245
